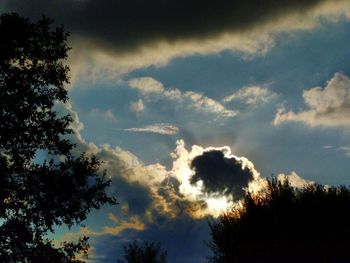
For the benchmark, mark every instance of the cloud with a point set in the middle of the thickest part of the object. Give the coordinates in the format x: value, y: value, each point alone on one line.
x: 137, y: 106
x: 154, y: 191
x: 129, y: 25
x: 294, y: 179
x: 134, y: 223
x: 328, y: 106
x: 346, y: 150
x: 197, y: 188
x: 220, y: 174
x: 327, y: 147
x: 146, y: 85
x: 252, y: 95
x: 153, y: 90
x: 155, y: 201
x: 181, y: 237
x: 99, y: 114
x: 160, y: 128
x: 115, y: 37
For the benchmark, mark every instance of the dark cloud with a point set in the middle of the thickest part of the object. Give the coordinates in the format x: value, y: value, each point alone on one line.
x: 127, y: 25
x: 183, y: 238
x: 220, y: 174
x: 136, y: 196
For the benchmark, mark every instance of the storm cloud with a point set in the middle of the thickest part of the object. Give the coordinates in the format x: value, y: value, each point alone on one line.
x: 221, y: 174
x: 128, y: 25
x: 111, y: 38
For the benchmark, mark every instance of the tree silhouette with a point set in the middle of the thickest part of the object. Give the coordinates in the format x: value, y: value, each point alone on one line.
x: 34, y: 196
x: 143, y: 253
x: 285, y: 224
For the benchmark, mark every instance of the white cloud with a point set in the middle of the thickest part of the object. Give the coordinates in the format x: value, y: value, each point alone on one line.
x: 146, y: 85
x: 161, y: 128
x: 329, y: 106
x: 294, y: 179
x: 153, y: 89
x: 107, y: 115
x: 346, y: 150
x: 327, y: 147
x: 137, y: 106
x: 251, y: 95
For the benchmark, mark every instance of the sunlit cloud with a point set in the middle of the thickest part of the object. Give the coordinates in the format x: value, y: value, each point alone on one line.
x: 328, y: 106
x: 154, y: 90
x: 171, y: 192
x: 251, y: 95
x: 294, y: 179
x: 160, y: 128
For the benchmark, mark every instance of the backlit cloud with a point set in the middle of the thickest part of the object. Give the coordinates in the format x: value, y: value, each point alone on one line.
x: 220, y: 174
x: 154, y: 196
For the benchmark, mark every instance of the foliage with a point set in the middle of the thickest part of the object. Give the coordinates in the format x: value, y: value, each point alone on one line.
x: 285, y: 224
x: 35, y: 196
x: 144, y: 253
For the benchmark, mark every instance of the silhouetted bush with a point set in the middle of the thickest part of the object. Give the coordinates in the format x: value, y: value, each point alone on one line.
x: 35, y: 197
x: 143, y: 253
x: 285, y: 224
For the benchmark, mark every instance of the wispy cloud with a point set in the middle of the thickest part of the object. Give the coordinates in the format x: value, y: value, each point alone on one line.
x: 328, y: 147
x: 346, y: 150
x: 160, y: 128
x: 251, y: 95
x: 154, y: 89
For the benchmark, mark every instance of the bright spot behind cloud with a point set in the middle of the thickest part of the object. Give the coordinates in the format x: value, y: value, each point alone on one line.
x: 216, y: 202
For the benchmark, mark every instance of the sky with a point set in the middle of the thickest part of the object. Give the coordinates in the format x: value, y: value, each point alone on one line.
x: 191, y: 103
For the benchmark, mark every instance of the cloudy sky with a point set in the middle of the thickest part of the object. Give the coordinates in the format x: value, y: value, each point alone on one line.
x: 188, y: 103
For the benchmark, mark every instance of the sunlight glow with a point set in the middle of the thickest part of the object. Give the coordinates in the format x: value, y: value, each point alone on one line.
x: 215, y: 203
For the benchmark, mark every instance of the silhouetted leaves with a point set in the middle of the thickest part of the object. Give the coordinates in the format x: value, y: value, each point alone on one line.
x: 285, y: 224
x: 143, y: 253
x: 34, y: 197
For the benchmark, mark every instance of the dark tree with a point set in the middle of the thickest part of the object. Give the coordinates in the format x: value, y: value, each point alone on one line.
x: 285, y: 224
x: 144, y: 253
x: 34, y: 197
